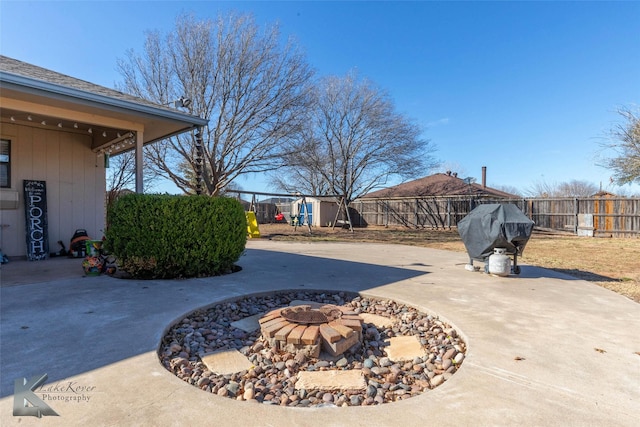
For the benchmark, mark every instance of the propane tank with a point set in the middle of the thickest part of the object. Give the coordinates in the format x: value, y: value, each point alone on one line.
x: 499, y: 262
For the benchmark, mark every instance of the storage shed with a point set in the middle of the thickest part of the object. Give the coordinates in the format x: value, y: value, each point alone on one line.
x: 320, y: 211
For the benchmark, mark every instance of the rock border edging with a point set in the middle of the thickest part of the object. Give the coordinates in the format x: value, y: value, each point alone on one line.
x: 273, y: 376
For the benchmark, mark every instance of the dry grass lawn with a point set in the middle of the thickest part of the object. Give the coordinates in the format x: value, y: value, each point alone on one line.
x: 613, y: 263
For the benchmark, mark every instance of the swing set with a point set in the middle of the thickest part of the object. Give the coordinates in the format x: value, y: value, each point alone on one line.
x: 303, y: 217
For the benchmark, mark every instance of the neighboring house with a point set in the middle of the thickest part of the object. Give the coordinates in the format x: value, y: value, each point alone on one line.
x: 55, y: 133
x: 439, y: 185
x: 437, y: 201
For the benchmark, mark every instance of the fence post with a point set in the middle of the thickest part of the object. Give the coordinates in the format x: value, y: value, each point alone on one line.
x: 386, y: 214
x: 449, y: 214
x: 575, y: 210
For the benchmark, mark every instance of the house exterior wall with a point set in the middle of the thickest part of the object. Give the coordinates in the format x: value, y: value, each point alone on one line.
x: 75, y: 184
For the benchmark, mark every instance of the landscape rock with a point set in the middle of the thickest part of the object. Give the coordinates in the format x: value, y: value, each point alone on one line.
x: 271, y: 375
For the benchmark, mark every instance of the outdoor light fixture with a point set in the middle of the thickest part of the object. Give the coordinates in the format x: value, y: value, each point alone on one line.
x: 180, y: 103
x: 59, y: 123
x: 183, y: 102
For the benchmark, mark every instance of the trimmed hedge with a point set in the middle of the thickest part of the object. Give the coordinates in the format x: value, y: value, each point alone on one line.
x: 156, y: 236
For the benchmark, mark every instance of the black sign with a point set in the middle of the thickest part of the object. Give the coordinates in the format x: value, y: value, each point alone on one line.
x: 35, y: 207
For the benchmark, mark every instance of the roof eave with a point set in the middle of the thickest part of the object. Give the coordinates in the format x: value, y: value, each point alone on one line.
x: 39, y: 87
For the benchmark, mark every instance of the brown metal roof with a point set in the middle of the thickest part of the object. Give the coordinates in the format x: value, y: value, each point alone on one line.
x: 439, y: 184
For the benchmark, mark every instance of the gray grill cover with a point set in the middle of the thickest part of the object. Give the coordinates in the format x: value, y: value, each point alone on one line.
x: 495, y: 226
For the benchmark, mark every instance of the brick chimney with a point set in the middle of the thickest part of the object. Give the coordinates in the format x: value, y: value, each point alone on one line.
x: 484, y: 177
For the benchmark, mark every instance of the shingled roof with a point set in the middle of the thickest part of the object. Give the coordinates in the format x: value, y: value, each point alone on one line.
x: 30, y: 71
x: 439, y: 184
x: 23, y: 82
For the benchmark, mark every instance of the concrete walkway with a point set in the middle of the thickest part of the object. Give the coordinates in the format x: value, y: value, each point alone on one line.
x: 544, y: 349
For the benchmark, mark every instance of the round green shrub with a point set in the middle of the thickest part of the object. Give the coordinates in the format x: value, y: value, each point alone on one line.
x: 156, y: 236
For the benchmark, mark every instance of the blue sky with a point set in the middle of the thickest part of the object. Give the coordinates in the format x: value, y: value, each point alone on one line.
x: 528, y: 89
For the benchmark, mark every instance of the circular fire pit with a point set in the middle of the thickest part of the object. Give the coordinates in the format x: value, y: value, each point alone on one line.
x: 305, y: 314
x: 212, y: 349
x: 310, y: 328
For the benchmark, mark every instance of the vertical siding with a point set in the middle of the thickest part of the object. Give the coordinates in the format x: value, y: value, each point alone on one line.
x: 9, y: 217
x: 65, y: 186
x: 75, y: 184
x: 52, y: 150
x: 90, y: 196
x: 39, y: 140
x: 77, y: 189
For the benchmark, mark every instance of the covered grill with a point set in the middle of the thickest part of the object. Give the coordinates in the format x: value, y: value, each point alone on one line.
x: 492, y: 226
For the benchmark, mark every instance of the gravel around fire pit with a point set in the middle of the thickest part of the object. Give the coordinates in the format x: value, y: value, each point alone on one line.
x: 272, y: 378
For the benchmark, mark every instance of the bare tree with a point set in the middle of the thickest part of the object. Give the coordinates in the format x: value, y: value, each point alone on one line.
x: 252, y: 88
x: 541, y: 189
x: 577, y: 188
x: 573, y: 188
x: 624, y: 140
x: 624, y: 192
x: 509, y: 189
x: 354, y: 142
x: 121, y: 175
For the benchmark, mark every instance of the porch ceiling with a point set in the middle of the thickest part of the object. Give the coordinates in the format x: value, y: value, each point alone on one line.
x: 103, y: 123
x: 35, y: 96
x: 102, y: 137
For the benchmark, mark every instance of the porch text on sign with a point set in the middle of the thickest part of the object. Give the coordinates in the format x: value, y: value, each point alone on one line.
x: 35, y: 206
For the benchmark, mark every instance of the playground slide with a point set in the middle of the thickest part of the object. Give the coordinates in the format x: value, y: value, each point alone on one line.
x: 252, y: 225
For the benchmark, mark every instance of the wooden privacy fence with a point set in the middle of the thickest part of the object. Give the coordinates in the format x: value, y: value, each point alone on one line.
x: 265, y: 212
x: 605, y: 216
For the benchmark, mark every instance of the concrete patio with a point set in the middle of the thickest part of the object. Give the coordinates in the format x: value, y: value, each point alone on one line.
x: 543, y: 348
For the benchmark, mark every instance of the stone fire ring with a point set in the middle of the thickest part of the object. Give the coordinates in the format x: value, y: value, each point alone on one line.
x: 308, y: 329
x: 247, y: 349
